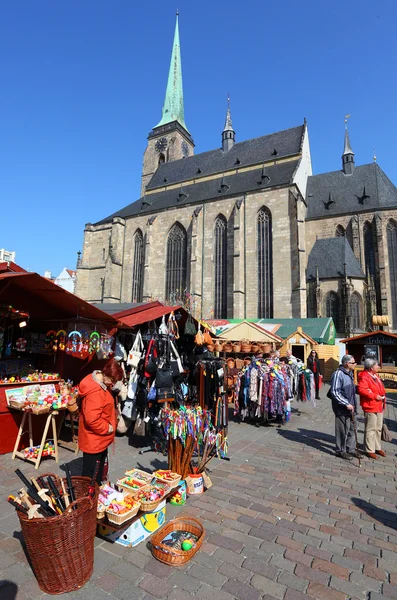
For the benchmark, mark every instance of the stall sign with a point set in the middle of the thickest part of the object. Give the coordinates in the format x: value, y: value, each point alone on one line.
x: 377, y: 340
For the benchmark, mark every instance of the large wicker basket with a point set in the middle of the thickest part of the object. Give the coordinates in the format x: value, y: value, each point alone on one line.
x: 171, y: 556
x: 61, y: 548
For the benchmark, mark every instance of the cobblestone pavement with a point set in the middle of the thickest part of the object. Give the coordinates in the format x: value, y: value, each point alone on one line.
x: 285, y: 519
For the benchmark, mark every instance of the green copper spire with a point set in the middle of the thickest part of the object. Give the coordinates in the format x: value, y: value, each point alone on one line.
x: 173, y: 104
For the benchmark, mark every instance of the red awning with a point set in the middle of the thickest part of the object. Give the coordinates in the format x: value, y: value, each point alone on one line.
x: 46, y: 301
x: 145, y: 315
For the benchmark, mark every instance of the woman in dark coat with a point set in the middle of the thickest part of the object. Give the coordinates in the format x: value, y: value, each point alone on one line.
x: 313, y: 364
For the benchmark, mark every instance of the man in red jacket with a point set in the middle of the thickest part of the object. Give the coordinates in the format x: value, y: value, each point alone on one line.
x: 373, y: 401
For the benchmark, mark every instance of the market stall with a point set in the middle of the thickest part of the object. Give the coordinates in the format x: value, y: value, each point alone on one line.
x: 48, y: 339
x: 380, y: 345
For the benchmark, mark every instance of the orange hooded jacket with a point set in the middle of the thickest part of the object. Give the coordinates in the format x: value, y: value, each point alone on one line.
x: 96, y: 413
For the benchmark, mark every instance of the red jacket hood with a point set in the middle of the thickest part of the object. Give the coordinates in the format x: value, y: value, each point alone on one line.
x: 88, y: 385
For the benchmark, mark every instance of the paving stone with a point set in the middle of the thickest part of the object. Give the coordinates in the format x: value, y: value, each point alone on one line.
x: 282, y: 563
x: 367, y: 582
x: 226, y: 555
x: 127, y: 590
x: 225, y: 542
x: 390, y: 591
x: 376, y: 573
x: 260, y: 567
x: 155, y: 586
x: 184, y: 581
x: 209, y: 576
x: 363, y: 557
x: 127, y: 571
x: 158, y: 568
x: 312, y: 574
x: 320, y: 592
x: 290, y: 543
x: 298, y: 557
x: 293, y: 581
x: 264, y: 584
x: 207, y: 592
x: 107, y: 581
x: 318, y: 552
x: 18, y: 573
x: 346, y: 587
x: 349, y: 563
x: 233, y: 572
x: 177, y: 594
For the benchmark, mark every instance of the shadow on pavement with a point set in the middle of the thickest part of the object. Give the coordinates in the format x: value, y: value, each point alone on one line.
x: 386, y: 517
x: 314, y: 439
x: 8, y: 590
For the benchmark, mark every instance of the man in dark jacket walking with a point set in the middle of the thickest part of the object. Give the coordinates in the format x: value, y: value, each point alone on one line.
x: 343, y: 395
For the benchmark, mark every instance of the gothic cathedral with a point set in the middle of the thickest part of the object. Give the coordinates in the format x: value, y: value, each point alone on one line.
x: 246, y: 230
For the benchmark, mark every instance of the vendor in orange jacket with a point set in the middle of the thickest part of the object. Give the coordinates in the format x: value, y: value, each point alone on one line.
x: 373, y: 400
x: 98, y: 417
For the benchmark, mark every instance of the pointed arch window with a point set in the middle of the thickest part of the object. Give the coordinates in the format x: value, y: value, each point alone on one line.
x: 391, y: 230
x: 371, y: 258
x: 340, y: 231
x: 332, y: 308
x: 138, y: 267
x: 265, y: 262
x: 355, y: 312
x: 175, y: 275
x: 220, y: 260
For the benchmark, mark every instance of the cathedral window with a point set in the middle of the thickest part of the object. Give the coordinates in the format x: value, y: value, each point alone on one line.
x: 332, y: 308
x: 355, y: 313
x: 392, y: 252
x: 220, y: 260
x: 161, y: 159
x: 265, y: 261
x: 340, y: 231
x: 175, y: 275
x: 371, y: 258
x: 139, y: 263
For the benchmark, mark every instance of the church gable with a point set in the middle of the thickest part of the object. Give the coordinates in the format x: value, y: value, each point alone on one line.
x: 330, y: 255
x: 335, y: 193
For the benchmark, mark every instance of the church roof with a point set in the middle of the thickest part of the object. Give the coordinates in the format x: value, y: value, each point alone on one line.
x: 250, y: 152
x: 213, y: 189
x: 367, y: 188
x: 330, y: 255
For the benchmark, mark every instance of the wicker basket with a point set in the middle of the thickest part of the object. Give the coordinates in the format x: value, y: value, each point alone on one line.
x: 227, y: 347
x: 148, y: 506
x: 236, y: 347
x: 218, y: 346
x: 171, y: 556
x: 61, y: 548
x: 140, y: 475
x: 122, y: 484
x: 120, y: 519
x: 171, y: 484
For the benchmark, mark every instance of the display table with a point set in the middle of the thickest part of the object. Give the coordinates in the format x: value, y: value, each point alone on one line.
x: 50, y: 420
x: 10, y: 419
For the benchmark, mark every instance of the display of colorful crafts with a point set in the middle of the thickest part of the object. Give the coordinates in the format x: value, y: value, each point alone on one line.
x: 132, y: 483
x: 120, y: 507
x: 167, y: 475
x: 32, y: 377
x: 153, y: 493
x: 140, y: 475
x: 33, y: 452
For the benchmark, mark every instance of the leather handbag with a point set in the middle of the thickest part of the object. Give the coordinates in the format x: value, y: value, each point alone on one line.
x: 151, y: 359
x: 136, y: 352
x: 386, y: 435
x: 164, y: 378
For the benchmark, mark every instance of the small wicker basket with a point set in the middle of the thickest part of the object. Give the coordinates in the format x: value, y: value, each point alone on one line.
x: 176, y: 478
x: 171, y: 556
x: 148, y: 505
x: 140, y: 475
x: 118, y: 519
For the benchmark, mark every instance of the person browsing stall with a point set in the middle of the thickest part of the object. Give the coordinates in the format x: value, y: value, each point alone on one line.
x: 373, y: 401
x: 98, y: 416
x: 343, y: 395
x: 313, y: 364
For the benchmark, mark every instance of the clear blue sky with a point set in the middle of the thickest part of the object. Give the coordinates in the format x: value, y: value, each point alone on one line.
x: 83, y: 82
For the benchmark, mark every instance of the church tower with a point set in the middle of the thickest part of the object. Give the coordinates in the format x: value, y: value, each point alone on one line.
x: 170, y: 139
x: 348, y: 154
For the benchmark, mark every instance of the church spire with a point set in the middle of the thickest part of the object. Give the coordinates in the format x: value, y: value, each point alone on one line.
x: 173, y: 109
x: 348, y: 154
x: 228, y: 134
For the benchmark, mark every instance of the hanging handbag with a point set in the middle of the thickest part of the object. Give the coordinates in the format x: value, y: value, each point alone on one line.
x: 164, y: 378
x: 199, y: 339
x: 386, y: 435
x: 190, y: 328
x: 176, y: 363
x: 151, y: 360
x: 207, y: 337
x: 163, y: 330
x: 173, y: 328
x: 122, y: 422
x: 165, y: 394
x: 135, y: 354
